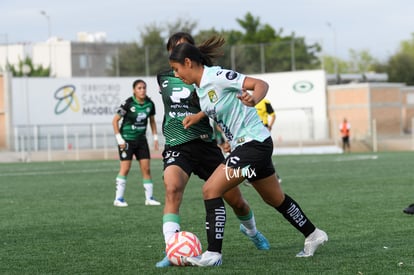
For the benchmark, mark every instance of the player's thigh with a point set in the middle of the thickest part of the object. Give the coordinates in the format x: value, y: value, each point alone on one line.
x: 220, y: 182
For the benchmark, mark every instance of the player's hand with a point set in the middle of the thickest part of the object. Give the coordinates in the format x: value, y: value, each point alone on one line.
x: 225, y: 147
x: 192, y: 119
x: 122, y: 146
x: 246, y: 97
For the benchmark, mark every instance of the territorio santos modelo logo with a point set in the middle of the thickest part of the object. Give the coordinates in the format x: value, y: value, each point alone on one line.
x: 89, y: 99
x: 66, y: 98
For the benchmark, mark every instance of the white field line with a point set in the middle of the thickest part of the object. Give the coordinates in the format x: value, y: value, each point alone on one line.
x: 55, y: 172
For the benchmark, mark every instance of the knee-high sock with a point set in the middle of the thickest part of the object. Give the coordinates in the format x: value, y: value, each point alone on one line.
x: 170, y: 225
x: 292, y: 212
x: 215, y: 222
x: 148, y: 188
x: 120, y: 186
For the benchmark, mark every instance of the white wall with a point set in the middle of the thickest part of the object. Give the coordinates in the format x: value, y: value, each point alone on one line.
x: 300, y: 109
x: 299, y: 99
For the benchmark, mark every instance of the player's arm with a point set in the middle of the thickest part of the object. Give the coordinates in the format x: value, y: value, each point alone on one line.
x: 271, y: 115
x: 221, y: 139
x: 193, y: 119
x: 254, y: 90
x: 118, y: 136
x: 271, y: 120
x: 153, y: 126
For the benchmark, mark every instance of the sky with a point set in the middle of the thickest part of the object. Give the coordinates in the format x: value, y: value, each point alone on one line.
x: 378, y: 26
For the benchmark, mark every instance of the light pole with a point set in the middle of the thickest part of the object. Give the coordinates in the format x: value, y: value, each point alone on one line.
x: 49, y: 32
x: 26, y: 71
x: 334, y: 43
x: 49, y: 27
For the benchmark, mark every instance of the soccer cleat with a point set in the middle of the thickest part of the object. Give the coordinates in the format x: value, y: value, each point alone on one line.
x: 312, y: 242
x: 208, y: 258
x: 152, y: 201
x: 409, y: 209
x: 164, y: 263
x: 259, y: 240
x: 120, y: 202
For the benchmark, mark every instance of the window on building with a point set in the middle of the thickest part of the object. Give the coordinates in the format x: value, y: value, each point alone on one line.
x: 83, y: 61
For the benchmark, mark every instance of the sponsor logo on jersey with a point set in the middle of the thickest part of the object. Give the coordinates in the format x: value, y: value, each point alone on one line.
x: 141, y: 117
x: 212, y: 96
x: 231, y: 75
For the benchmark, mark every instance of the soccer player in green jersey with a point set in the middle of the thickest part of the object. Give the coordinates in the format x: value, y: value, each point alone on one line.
x: 192, y: 150
x: 228, y: 98
x: 135, y: 112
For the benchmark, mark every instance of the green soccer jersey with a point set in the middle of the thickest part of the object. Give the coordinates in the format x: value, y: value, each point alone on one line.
x: 180, y: 100
x: 135, y: 117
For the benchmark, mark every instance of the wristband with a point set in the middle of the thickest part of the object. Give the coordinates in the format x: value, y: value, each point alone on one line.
x: 155, y: 137
x: 119, y: 139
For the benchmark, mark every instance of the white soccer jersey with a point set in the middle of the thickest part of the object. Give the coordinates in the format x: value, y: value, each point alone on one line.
x: 218, y: 99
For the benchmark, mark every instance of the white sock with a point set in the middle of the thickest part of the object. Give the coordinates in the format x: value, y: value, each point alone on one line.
x: 148, y: 190
x: 120, y: 187
x: 169, y: 228
x: 250, y: 224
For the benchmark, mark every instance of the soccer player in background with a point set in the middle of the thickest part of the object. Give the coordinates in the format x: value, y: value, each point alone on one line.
x: 266, y: 113
x: 192, y: 150
x: 135, y: 112
x: 345, y: 129
x: 229, y: 98
x: 409, y: 209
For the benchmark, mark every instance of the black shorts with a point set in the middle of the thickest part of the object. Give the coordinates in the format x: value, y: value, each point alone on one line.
x: 253, y: 160
x: 345, y: 139
x: 138, y: 148
x: 196, y: 156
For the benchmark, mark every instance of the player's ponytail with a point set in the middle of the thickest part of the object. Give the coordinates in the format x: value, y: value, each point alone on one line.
x: 204, y: 54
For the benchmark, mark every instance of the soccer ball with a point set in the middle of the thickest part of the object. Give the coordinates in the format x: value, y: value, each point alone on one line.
x: 182, y: 244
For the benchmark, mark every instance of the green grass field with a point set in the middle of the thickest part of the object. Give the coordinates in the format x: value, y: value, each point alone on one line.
x: 58, y: 218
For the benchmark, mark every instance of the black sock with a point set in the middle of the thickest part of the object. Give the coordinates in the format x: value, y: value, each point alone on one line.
x: 292, y: 212
x: 215, y: 221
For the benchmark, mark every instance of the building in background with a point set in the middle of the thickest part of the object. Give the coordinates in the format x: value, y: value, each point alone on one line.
x: 89, y: 56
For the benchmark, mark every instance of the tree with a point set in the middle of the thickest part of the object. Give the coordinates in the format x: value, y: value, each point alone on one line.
x: 149, y: 56
x: 360, y: 62
x: 35, y: 71
x: 400, y: 67
x: 263, y: 49
x: 257, y: 49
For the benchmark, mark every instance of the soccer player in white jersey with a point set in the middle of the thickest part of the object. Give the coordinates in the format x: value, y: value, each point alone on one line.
x: 192, y: 151
x: 228, y: 98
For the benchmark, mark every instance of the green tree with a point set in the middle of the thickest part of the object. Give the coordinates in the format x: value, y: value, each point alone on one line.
x: 35, y: 71
x: 153, y: 44
x: 400, y: 67
x: 257, y: 49
x: 263, y: 49
x: 149, y: 56
x: 361, y: 62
